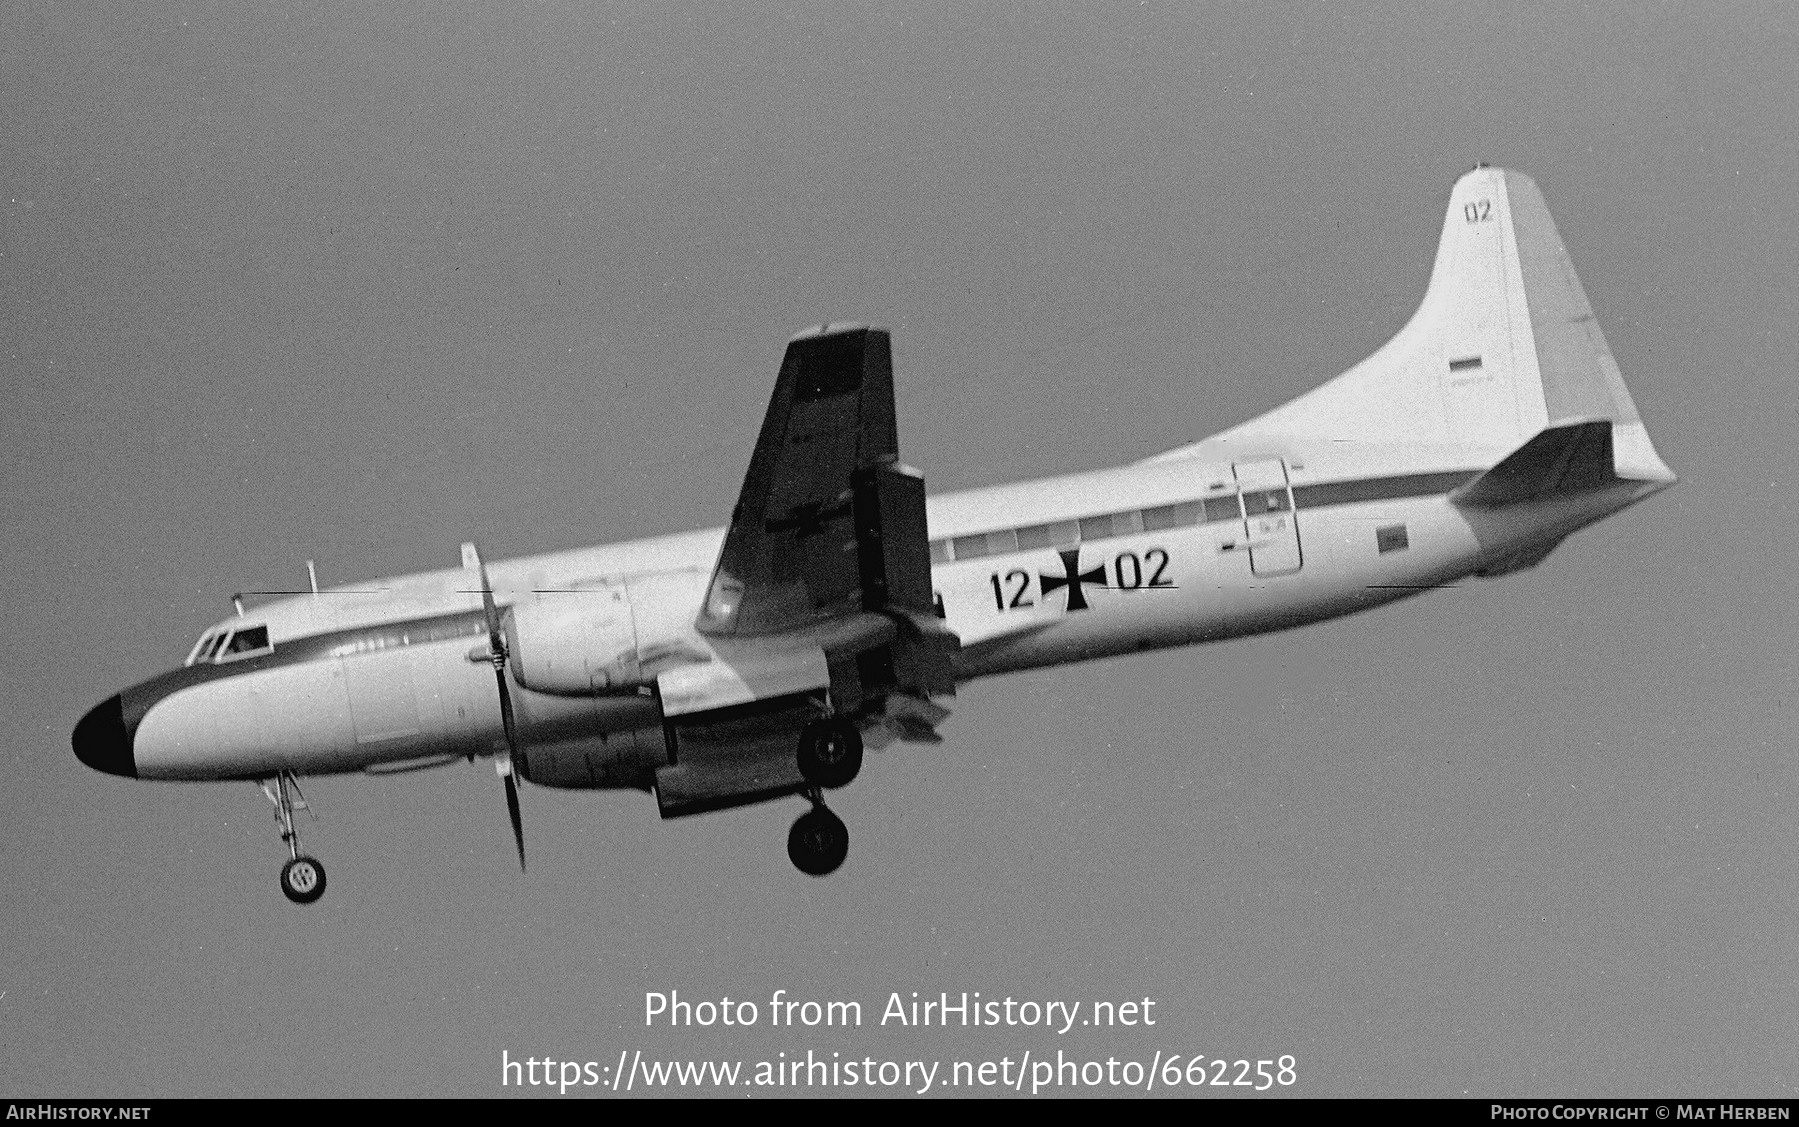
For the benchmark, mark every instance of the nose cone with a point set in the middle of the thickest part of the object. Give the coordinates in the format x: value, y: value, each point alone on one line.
x: 102, y: 742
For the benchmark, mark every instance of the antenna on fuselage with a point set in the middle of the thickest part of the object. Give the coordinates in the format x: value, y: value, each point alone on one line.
x: 238, y: 602
x: 312, y: 576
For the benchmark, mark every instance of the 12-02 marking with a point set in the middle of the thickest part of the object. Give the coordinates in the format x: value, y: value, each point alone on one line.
x: 1127, y: 571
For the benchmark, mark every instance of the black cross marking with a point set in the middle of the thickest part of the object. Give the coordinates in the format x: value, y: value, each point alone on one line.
x: 1074, y: 580
x: 808, y: 518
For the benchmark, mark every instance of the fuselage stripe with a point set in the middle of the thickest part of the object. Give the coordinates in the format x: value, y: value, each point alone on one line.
x: 1211, y: 510
x: 472, y: 624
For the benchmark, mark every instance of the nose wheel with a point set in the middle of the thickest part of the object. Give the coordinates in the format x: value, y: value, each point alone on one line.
x: 818, y: 841
x: 302, y: 878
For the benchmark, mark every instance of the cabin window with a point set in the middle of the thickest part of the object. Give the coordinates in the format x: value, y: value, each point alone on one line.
x: 1055, y: 535
x: 1172, y: 516
x: 1222, y: 508
x: 968, y: 547
x: 1112, y: 524
x: 939, y: 551
x: 1096, y: 528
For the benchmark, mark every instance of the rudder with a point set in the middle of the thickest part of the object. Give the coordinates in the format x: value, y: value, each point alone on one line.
x: 1577, y: 375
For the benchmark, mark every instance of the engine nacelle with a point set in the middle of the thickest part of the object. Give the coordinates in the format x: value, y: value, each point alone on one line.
x: 623, y: 758
x: 577, y: 643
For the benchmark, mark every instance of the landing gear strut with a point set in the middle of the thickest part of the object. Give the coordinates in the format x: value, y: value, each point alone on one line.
x: 818, y: 841
x: 302, y: 878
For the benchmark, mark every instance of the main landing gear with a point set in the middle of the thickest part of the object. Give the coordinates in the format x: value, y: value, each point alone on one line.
x: 302, y: 878
x: 818, y: 841
x: 830, y: 755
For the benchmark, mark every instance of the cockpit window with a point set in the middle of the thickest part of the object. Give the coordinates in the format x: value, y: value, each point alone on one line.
x: 229, y: 645
x: 245, y: 641
x: 203, y: 648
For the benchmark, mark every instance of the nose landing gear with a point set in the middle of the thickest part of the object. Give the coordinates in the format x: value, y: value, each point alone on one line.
x: 818, y: 841
x: 302, y: 878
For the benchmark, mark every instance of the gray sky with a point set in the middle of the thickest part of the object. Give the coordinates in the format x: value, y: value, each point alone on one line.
x: 359, y: 283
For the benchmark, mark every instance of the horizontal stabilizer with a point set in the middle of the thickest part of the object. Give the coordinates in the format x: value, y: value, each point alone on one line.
x: 1568, y: 458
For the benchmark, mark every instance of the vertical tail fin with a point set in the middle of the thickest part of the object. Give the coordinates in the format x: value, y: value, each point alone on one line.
x: 1503, y: 346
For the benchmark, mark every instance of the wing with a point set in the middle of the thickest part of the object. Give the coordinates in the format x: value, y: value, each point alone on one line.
x: 791, y: 556
x: 824, y: 578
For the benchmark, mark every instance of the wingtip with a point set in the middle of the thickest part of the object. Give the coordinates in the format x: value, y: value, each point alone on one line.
x: 829, y: 329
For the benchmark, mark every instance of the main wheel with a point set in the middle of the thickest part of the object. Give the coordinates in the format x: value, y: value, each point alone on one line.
x: 818, y: 842
x: 303, y: 880
x: 830, y: 752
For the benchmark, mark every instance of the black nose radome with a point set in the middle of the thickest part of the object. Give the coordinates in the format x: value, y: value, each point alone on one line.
x: 102, y: 742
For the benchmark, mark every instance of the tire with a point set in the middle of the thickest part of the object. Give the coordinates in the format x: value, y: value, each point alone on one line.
x: 830, y: 753
x: 818, y: 842
x: 303, y: 880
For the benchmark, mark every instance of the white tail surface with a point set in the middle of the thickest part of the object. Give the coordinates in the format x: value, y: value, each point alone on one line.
x: 1503, y: 345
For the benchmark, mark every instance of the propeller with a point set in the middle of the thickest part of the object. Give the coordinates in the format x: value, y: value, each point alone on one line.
x: 496, y: 648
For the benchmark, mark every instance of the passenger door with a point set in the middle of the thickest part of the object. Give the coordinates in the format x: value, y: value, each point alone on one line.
x: 1268, y: 517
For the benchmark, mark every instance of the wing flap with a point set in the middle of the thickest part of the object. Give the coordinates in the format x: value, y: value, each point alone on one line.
x: 721, y: 684
x: 741, y: 671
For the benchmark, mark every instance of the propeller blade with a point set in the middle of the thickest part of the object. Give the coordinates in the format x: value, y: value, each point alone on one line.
x: 496, y: 645
x: 495, y: 636
x: 472, y: 561
x: 506, y: 720
x: 518, y: 823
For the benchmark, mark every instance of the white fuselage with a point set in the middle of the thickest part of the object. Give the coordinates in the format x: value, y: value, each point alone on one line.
x: 1198, y: 545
